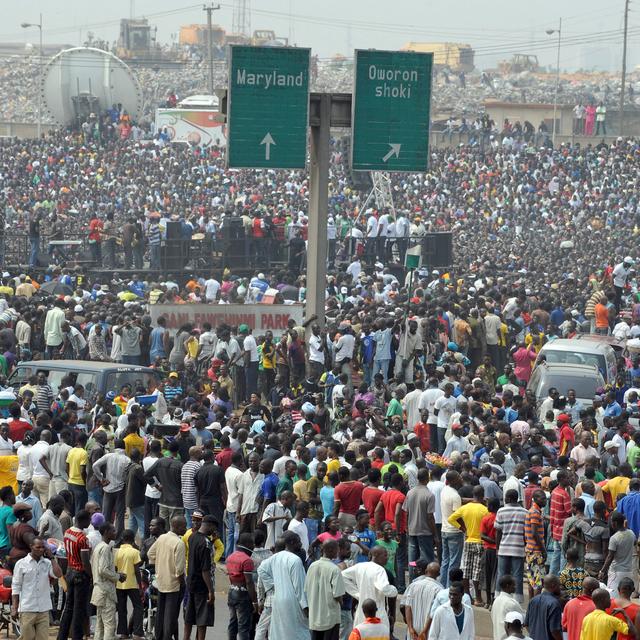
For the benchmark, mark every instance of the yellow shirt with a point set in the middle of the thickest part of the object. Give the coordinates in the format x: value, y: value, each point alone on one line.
x: 471, y: 514
x: 134, y: 441
x: 599, y: 625
x: 300, y: 490
x: 192, y: 345
x: 127, y: 557
x: 76, y: 459
x: 333, y: 465
x: 218, y: 547
x: 616, y: 486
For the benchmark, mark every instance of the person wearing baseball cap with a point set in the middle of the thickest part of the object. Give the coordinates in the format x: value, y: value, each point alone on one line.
x: 513, y: 622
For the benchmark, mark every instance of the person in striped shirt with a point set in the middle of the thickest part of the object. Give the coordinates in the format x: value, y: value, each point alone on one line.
x: 535, y: 551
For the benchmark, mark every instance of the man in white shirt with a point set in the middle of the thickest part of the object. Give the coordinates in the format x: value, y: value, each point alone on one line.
x: 620, y: 274
x: 354, y: 269
x: 297, y: 525
x: 316, y: 352
x: 444, y: 408
x: 452, y: 537
x: 211, y: 288
x: 427, y: 403
x: 232, y: 477
x: 343, y: 352
x: 30, y: 590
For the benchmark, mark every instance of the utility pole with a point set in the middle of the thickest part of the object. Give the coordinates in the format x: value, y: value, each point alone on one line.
x: 551, y: 32
x: 210, y: 9
x: 26, y: 25
x: 624, y: 66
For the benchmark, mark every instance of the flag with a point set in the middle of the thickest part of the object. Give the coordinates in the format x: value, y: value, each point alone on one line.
x: 413, y: 257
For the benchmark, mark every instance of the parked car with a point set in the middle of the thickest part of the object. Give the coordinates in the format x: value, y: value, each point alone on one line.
x: 598, y: 353
x: 97, y: 378
x: 584, y: 379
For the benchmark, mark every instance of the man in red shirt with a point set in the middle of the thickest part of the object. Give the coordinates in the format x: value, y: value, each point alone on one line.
x: 577, y: 608
x: 531, y: 488
x: 347, y: 497
x: 371, y: 494
x: 78, y: 578
x: 242, y: 599
x: 95, y: 238
x: 390, y: 509
x: 422, y: 430
x: 17, y: 426
x: 559, y: 511
x: 488, y: 536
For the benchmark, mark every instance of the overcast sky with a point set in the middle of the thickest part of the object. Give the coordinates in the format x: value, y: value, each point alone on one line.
x: 591, y: 29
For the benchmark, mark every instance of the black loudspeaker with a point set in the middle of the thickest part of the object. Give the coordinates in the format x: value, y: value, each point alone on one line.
x: 174, y: 231
x: 172, y: 256
x: 437, y: 249
x: 235, y: 252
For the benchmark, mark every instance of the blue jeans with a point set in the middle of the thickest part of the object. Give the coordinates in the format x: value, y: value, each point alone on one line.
x: 367, y: 373
x: 240, y: 614
x: 420, y: 547
x: 35, y: 248
x: 381, y: 366
x: 136, y: 520
x: 312, y: 528
x: 513, y: 566
x: 442, y: 443
x: 154, y: 256
x: 187, y: 516
x: 452, y: 545
x: 95, y: 495
x: 230, y: 537
x: 556, y: 558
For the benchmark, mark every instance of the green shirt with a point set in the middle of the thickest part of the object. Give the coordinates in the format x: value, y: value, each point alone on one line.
x: 392, y: 548
x: 394, y: 408
x: 6, y: 518
x: 632, y: 455
x: 598, y: 477
x: 313, y: 487
x: 286, y: 484
x: 502, y: 380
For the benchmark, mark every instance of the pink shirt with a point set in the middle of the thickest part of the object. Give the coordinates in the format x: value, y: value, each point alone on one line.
x: 523, y: 359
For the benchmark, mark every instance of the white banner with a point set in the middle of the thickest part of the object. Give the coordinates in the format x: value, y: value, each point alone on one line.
x: 260, y: 317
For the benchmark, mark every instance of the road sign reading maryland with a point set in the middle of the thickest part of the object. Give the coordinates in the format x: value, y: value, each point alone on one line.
x: 390, y: 119
x: 268, y: 107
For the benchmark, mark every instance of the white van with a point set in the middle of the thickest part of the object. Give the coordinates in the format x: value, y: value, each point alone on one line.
x: 581, y: 351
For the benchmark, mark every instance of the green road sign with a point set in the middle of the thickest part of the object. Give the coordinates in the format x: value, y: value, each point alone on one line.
x: 268, y: 107
x: 390, y: 119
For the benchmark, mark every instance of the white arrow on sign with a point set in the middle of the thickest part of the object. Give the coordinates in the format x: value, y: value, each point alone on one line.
x: 267, y: 141
x: 394, y: 151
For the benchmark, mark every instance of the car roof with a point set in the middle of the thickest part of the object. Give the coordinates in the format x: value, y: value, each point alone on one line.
x: 558, y: 368
x: 614, y: 342
x: 570, y: 344
x: 82, y: 365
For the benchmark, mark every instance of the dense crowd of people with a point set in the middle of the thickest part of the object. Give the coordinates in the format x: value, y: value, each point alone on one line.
x: 384, y: 465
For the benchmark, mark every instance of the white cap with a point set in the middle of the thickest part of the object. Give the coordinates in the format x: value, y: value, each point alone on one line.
x: 629, y: 259
x: 78, y: 308
x: 261, y: 276
x: 514, y: 616
x: 610, y: 445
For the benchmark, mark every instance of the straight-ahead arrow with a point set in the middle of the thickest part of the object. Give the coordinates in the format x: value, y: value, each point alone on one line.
x: 268, y: 141
x: 394, y: 151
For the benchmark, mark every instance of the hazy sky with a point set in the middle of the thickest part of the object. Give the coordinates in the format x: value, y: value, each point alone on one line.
x: 591, y: 29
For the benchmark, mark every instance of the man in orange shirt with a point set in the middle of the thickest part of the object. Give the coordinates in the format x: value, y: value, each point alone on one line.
x: 601, y: 312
